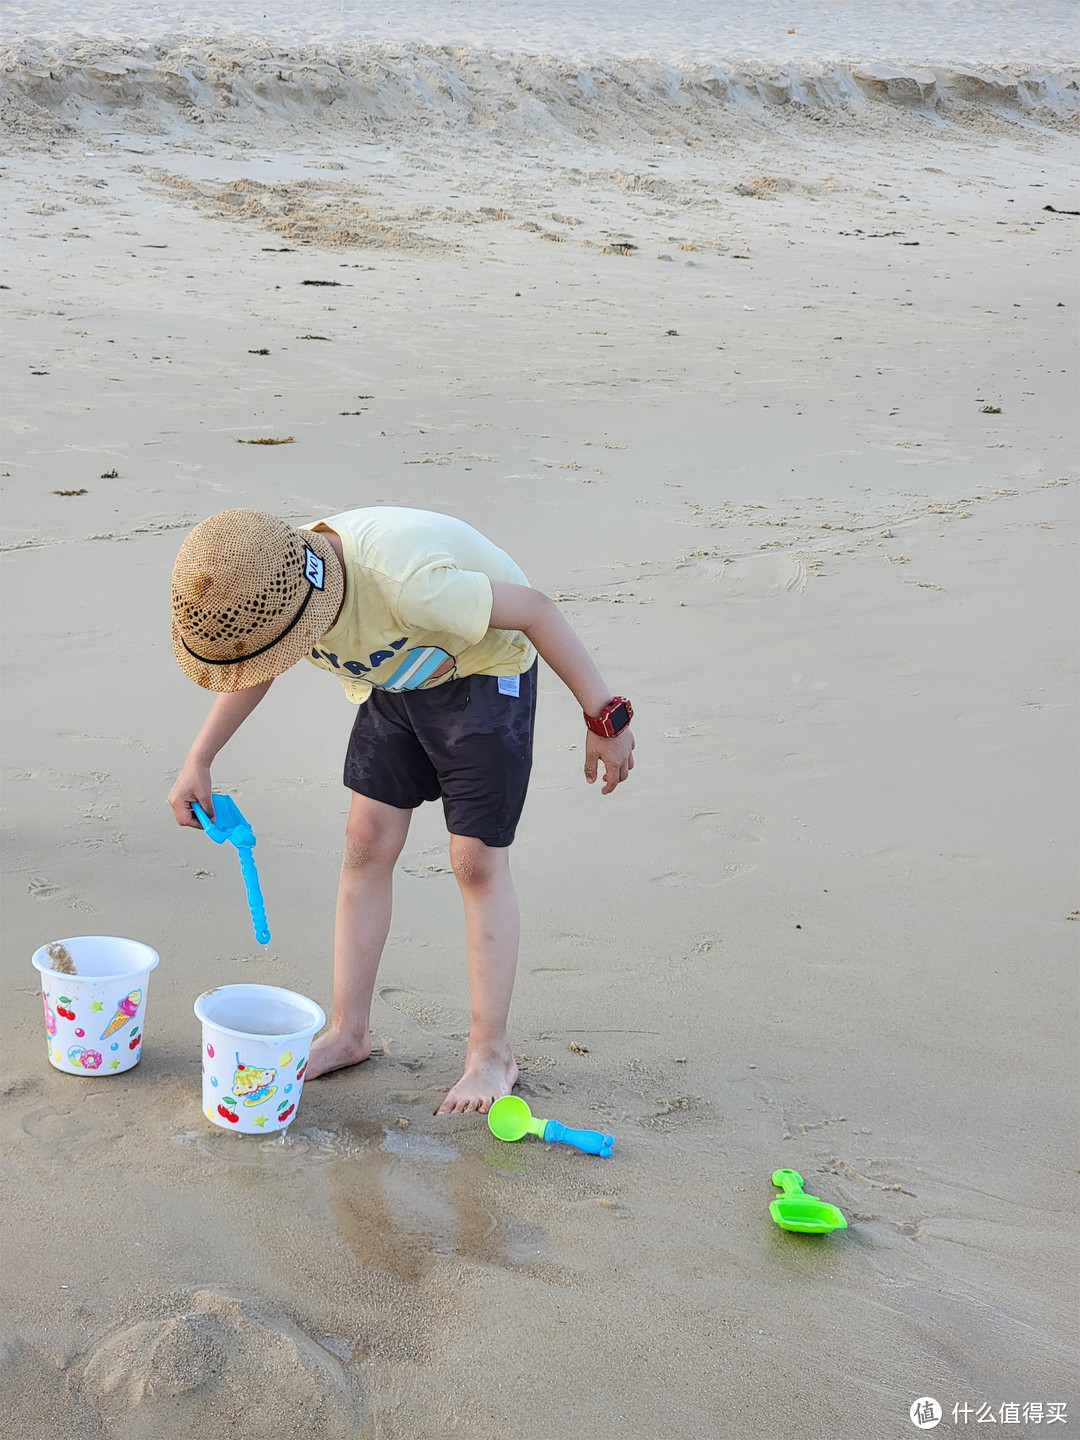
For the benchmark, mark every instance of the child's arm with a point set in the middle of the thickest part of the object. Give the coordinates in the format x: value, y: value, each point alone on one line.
x: 227, y: 714
x: 517, y: 607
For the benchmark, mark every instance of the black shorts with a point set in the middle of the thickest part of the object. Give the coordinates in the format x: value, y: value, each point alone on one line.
x: 464, y: 740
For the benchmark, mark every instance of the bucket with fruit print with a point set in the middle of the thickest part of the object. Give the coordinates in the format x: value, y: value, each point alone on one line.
x: 93, y: 992
x: 255, y: 1045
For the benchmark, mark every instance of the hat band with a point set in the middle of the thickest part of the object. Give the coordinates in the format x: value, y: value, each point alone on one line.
x: 239, y: 659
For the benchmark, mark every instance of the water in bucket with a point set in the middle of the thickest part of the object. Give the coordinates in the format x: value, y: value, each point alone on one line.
x: 93, y: 992
x: 255, y: 1045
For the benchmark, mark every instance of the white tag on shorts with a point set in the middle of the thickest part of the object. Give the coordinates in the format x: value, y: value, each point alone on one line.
x: 509, y: 684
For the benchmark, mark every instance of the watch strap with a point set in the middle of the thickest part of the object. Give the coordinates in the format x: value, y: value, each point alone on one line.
x: 613, y: 718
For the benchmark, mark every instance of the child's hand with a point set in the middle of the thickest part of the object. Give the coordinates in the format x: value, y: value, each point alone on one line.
x: 616, y: 754
x: 227, y: 714
x: 193, y: 783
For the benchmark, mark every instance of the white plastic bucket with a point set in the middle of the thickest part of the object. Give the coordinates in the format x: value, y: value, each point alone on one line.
x: 255, y: 1045
x: 94, y: 1018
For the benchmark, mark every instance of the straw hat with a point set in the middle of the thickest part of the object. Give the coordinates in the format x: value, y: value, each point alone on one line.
x: 250, y: 596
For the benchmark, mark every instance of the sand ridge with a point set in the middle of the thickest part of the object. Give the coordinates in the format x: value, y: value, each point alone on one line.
x: 544, y: 97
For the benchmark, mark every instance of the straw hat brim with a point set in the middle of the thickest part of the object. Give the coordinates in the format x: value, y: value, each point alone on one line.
x: 318, y: 616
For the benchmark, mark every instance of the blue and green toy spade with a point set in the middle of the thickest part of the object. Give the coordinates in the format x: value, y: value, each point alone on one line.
x: 229, y: 824
x: 511, y: 1119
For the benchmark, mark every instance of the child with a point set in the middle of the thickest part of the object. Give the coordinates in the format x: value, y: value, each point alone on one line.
x: 434, y: 632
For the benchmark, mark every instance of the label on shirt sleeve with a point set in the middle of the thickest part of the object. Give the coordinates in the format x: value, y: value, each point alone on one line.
x: 509, y: 684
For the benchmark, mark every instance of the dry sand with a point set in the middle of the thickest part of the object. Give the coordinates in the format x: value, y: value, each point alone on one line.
x: 774, y: 398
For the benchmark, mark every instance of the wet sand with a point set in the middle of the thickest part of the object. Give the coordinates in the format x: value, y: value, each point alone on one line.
x: 779, y: 410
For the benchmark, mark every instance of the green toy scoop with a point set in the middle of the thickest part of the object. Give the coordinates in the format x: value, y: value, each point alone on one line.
x: 511, y: 1119
x: 805, y: 1213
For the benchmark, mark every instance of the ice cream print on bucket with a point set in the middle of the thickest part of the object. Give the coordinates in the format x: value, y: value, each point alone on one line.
x: 93, y: 995
x: 255, y: 1045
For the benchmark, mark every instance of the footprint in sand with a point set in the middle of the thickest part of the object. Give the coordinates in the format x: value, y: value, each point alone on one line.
x: 24, y: 1086
x: 81, y: 1133
x: 41, y: 889
x: 713, y: 876
x: 747, y: 830
x: 177, y: 1375
x: 428, y: 1014
x: 50, y: 1126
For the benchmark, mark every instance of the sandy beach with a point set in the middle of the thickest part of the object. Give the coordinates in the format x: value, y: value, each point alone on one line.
x: 756, y: 349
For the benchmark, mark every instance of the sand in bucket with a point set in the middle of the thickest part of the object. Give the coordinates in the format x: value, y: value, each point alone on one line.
x: 255, y: 1045
x: 93, y: 990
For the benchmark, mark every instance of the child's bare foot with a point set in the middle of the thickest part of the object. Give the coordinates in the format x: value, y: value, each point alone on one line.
x: 489, y: 1074
x: 335, y: 1050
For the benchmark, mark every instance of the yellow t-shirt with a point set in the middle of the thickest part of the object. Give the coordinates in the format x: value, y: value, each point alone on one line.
x: 417, y: 603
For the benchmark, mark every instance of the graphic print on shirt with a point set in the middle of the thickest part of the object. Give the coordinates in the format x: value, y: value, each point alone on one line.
x: 417, y: 667
x: 427, y: 663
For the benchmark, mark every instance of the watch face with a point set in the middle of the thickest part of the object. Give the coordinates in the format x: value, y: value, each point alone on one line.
x: 618, y: 719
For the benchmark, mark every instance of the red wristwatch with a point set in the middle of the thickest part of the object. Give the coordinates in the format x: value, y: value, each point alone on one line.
x: 613, y: 718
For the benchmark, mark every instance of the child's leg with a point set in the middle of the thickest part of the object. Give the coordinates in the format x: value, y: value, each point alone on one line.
x: 492, y: 929
x: 374, y: 836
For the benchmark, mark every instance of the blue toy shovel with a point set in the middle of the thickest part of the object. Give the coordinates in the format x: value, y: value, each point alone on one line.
x: 229, y: 824
x: 511, y: 1119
